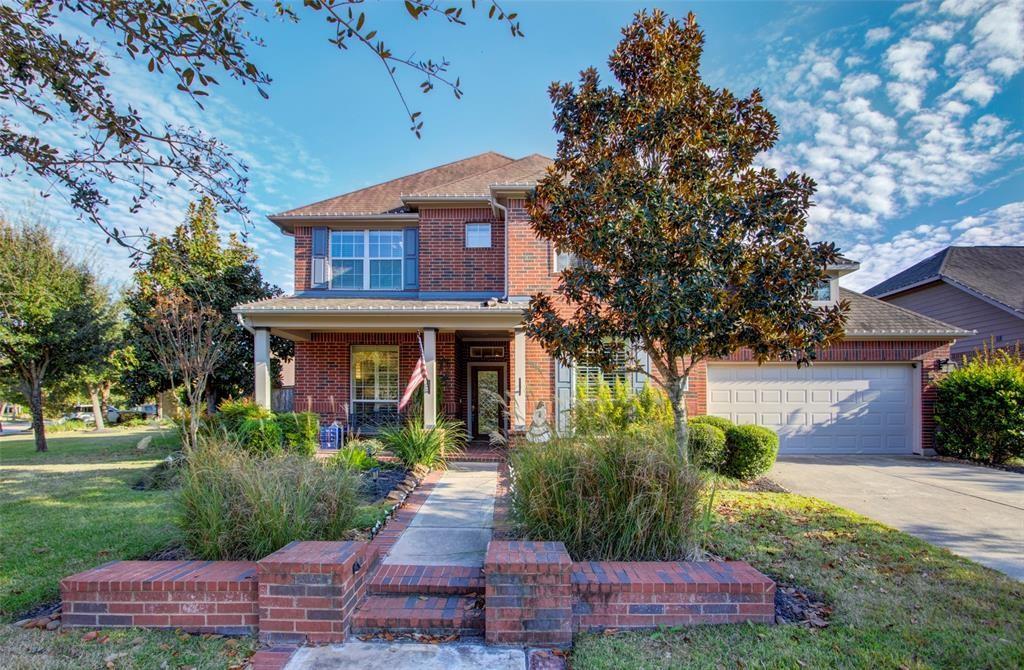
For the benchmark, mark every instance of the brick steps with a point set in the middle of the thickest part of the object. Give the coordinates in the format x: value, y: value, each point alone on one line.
x: 422, y: 614
x: 437, y: 580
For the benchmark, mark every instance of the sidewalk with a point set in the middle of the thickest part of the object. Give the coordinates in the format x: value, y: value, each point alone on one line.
x: 455, y: 523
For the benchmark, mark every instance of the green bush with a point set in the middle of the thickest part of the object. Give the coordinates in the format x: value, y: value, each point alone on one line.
x: 707, y: 445
x: 608, y: 408
x: 979, y: 408
x: 68, y: 426
x: 718, y: 422
x: 617, y: 496
x: 354, y: 457
x: 413, y: 444
x: 237, y: 506
x: 232, y: 413
x: 750, y: 451
x: 301, y: 431
x: 262, y: 437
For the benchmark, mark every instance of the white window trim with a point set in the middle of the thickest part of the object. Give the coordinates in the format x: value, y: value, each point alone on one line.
x: 352, y: 376
x: 554, y: 259
x: 366, y: 259
x: 490, y: 235
x: 833, y: 294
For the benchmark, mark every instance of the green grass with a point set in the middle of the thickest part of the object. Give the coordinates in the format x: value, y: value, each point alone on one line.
x: 898, y: 601
x: 125, y: 649
x: 73, y: 508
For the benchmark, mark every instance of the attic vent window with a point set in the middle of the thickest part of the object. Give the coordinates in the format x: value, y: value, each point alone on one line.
x: 478, y: 235
x: 487, y: 353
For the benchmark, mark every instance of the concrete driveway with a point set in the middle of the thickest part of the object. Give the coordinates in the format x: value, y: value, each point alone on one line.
x: 973, y: 511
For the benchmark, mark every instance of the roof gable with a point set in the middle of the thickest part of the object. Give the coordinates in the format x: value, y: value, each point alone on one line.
x: 992, y: 273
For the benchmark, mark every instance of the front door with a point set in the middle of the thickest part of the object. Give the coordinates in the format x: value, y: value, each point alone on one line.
x: 486, y: 383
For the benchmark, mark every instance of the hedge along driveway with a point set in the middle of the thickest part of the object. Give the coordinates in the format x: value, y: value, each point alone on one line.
x: 973, y: 511
x: 73, y: 508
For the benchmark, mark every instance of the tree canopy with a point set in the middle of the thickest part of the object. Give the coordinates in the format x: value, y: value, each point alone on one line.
x: 46, y: 76
x: 683, y: 244
x: 55, y: 316
x: 214, y: 275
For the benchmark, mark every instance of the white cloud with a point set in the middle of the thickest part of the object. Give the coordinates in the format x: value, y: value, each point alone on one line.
x: 975, y: 86
x: 882, y: 259
x: 906, y: 97
x: 907, y: 60
x: 876, y: 35
x: 860, y: 83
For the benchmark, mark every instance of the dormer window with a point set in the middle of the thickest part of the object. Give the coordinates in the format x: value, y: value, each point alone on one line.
x: 823, y: 291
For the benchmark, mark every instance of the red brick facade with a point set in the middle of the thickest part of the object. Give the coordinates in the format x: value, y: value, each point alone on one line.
x: 322, y: 365
x: 445, y: 262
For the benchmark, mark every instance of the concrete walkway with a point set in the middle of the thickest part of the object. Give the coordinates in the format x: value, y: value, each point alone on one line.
x: 973, y: 511
x: 454, y: 525
x: 407, y: 656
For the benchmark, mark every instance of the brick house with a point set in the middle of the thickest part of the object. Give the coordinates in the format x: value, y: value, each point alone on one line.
x: 446, y: 257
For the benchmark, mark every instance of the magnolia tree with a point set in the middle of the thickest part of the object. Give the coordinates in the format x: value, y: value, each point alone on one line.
x: 683, y: 246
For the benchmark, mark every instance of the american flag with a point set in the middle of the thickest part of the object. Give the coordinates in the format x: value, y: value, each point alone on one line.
x: 419, y: 376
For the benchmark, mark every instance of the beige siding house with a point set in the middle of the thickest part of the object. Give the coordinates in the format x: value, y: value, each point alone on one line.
x: 976, y: 288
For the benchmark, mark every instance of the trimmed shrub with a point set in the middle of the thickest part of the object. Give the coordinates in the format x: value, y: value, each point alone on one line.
x: 237, y: 506
x: 301, y: 432
x: 232, y: 413
x: 262, y: 437
x: 718, y: 422
x: 608, y: 497
x: 603, y: 408
x: 413, y: 444
x: 707, y: 445
x: 750, y: 451
x: 979, y: 409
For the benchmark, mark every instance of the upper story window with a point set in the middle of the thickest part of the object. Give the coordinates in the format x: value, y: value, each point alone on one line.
x: 478, y: 235
x: 366, y: 259
x: 823, y: 291
x: 562, y: 260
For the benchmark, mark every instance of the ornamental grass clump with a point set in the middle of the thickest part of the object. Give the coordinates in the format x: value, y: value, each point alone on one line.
x: 414, y: 445
x: 236, y: 505
x: 609, y: 497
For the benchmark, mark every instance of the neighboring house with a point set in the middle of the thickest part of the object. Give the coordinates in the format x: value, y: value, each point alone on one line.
x: 975, y: 288
x: 447, y: 256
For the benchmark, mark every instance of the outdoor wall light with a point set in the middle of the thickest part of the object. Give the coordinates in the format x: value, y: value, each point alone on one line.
x: 945, y: 365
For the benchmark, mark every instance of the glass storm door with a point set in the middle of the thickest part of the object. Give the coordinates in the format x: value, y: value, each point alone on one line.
x: 486, y: 385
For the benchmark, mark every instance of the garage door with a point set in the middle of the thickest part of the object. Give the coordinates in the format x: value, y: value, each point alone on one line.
x: 822, y: 408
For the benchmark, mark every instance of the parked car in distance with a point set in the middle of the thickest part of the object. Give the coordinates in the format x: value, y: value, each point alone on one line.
x: 145, y: 411
x: 80, y: 413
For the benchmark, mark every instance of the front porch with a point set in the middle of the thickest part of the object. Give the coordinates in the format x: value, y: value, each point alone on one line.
x: 354, y: 363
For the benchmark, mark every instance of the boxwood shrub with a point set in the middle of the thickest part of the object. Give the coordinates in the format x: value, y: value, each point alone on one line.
x: 301, y: 431
x: 751, y: 451
x: 707, y: 445
x: 979, y: 409
x: 262, y: 437
x: 718, y: 422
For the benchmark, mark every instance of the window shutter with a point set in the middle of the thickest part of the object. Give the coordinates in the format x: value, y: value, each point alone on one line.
x: 639, y: 378
x: 321, y: 238
x: 563, y: 396
x: 411, y: 271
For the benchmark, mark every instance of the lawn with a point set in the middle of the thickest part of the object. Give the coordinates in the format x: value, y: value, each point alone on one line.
x: 73, y: 508
x: 898, y: 602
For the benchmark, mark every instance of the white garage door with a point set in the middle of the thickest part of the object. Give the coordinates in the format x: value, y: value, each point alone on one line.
x: 824, y: 408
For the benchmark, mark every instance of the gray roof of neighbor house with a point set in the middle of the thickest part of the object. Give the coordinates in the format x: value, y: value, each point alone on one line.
x: 868, y: 317
x: 994, y: 273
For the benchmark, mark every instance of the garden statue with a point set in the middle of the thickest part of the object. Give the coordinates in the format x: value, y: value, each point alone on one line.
x: 539, y: 430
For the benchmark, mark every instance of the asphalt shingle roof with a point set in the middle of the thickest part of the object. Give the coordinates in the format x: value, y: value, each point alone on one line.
x: 385, y: 198
x: 868, y: 317
x: 994, y: 272
x: 526, y: 170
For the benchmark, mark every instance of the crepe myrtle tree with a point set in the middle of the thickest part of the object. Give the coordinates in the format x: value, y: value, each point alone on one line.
x: 682, y: 245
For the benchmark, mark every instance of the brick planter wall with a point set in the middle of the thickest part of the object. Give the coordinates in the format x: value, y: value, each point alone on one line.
x: 309, y: 590
x: 195, y: 596
x: 647, y: 595
x: 528, y: 594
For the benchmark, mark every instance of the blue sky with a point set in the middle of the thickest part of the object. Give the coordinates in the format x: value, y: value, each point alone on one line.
x: 908, y: 116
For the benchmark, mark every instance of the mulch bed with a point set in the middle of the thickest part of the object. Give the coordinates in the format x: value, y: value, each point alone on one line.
x: 800, y: 606
x: 387, y: 480
x: 759, y: 485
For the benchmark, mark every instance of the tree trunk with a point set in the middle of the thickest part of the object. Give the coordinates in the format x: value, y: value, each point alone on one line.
x: 677, y: 395
x: 35, y: 401
x: 97, y: 407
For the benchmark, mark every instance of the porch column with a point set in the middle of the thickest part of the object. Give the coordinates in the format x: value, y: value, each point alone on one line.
x: 261, y: 366
x: 430, y: 386
x: 519, y: 381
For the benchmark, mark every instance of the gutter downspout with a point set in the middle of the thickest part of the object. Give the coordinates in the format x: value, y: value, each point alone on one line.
x: 243, y: 324
x: 495, y: 207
